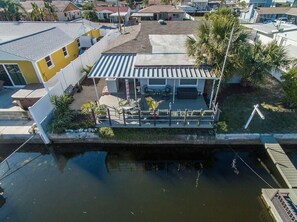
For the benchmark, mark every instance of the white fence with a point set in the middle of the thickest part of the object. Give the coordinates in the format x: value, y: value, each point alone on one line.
x: 70, y: 75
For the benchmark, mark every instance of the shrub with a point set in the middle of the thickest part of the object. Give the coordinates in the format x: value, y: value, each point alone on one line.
x: 290, y: 87
x: 106, y: 132
x: 222, y: 126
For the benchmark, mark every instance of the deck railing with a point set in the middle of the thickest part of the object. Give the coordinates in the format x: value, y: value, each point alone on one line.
x: 158, y: 118
x: 289, y: 210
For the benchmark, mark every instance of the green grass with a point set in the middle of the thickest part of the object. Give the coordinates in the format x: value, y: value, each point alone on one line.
x: 144, y: 134
x: 237, y: 105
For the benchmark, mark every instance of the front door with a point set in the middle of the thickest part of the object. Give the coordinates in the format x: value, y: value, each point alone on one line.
x: 11, y: 75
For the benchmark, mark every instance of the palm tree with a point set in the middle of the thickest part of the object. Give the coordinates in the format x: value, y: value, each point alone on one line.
x: 50, y: 11
x: 153, y: 104
x: 259, y: 59
x: 12, y: 10
x: 209, y: 46
x: 37, y: 14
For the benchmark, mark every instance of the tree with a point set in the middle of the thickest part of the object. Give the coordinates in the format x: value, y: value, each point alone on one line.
x: 145, y: 3
x: 289, y: 85
x: 37, y: 14
x: 12, y: 10
x: 243, y: 4
x: 209, y: 46
x: 88, y: 6
x: 50, y: 11
x: 259, y: 58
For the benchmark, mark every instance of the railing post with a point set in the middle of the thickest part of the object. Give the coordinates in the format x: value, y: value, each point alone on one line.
x: 94, y: 116
x: 170, y: 117
x: 124, y: 118
x: 139, y: 118
x: 185, y: 118
x: 109, y: 119
x: 154, y: 113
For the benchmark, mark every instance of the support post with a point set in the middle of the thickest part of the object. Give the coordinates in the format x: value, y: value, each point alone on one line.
x: 173, y: 94
x: 135, y: 91
x: 109, y: 119
x: 185, y: 118
x: 139, y: 118
x: 170, y: 117
x: 97, y: 95
x: 154, y: 113
x: 211, y: 95
x: 124, y: 117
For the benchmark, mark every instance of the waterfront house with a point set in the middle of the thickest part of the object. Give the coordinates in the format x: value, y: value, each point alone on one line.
x: 33, y: 52
x: 65, y: 10
x: 154, y: 62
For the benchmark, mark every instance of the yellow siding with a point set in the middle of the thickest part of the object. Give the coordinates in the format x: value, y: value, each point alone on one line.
x: 27, y: 70
x: 59, y: 61
x: 95, y: 33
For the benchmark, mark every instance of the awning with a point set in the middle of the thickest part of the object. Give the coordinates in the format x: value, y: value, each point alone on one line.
x: 122, y: 66
x: 142, y: 15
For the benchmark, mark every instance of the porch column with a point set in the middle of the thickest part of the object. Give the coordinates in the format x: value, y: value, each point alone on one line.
x: 135, y: 91
x: 173, y: 96
x: 211, y: 95
x: 97, y: 95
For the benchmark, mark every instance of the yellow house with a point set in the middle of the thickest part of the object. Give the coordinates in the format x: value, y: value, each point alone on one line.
x: 33, y: 52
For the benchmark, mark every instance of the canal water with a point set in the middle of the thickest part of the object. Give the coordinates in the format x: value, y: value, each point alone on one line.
x: 87, y: 183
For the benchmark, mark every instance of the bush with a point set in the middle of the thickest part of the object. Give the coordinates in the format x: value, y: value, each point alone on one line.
x: 106, y: 132
x: 222, y: 126
x: 290, y: 87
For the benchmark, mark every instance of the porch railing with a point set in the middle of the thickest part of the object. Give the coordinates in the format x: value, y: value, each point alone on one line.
x: 159, y: 118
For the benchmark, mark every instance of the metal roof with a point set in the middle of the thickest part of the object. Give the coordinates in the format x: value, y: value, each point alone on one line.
x: 122, y: 66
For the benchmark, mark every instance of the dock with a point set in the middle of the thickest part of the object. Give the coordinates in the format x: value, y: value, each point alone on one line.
x: 281, y: 161
x: 281, y: 204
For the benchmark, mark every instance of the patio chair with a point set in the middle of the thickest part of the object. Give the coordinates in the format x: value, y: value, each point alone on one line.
x: 166, y: 92
x: 148, y: 92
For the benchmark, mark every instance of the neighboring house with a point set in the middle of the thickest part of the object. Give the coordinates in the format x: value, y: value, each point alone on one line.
x: 268, y: 14
x: 259, y: 3
x: 154, y: 57
x: 110, y: 13
x: 156, y: 12
x: 33, y: 52
x: 65, y: 10
x: 284, y: 34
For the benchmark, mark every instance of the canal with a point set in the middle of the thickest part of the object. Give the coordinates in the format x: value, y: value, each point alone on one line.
x: 88, y: 183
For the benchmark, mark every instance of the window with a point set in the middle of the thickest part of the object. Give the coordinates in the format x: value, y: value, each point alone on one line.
x: 65, y: 52
x: 157, y: 82
x: 78, y: 43
x: 49, y: 62
x: 11, y: 75
x: 192, y: 82
x: 65, y: 14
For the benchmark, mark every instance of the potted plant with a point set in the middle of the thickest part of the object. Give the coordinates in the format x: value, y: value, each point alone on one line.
x: 153, y: 105
x: 101, y: 111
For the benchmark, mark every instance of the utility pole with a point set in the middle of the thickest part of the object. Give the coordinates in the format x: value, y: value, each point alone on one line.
x: 119, y: 17
x: 223, y: 68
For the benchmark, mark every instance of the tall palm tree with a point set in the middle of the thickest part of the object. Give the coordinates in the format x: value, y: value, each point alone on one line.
x: 37, y: 14
x: 260, y: 58
x: 209, y: 46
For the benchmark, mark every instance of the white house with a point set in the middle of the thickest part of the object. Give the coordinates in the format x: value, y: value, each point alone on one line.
x: 110, y: 13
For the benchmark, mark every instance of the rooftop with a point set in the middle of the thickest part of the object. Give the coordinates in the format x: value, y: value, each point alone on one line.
x: 271, y: 28
x: 14, y: 30
x: 60, y: 6
x: 160, y: 8
x: 112, y: 9
x: 138, y: 40
x: 272, y: 10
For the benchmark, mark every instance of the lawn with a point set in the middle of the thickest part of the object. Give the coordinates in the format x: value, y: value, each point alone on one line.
x: 236, y: 103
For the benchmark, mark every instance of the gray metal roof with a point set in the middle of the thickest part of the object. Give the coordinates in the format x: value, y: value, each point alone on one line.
x: 122, y: 66
x: 37, y: 46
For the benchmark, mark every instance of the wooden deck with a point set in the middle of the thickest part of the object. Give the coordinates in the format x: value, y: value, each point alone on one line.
x: 281, y: 161
x: 281, y: 204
